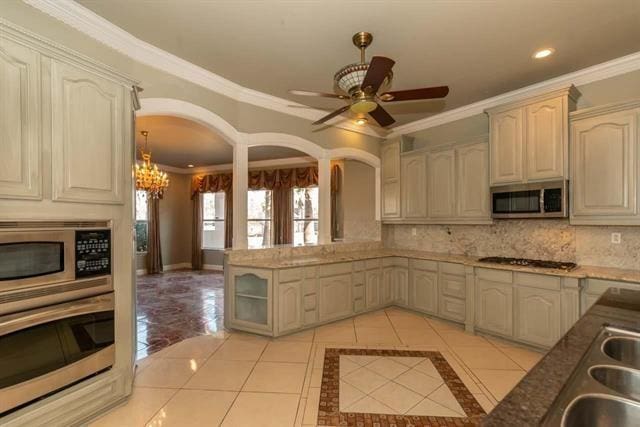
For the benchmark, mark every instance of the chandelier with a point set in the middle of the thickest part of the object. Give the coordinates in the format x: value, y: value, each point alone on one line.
x: 148, y: 177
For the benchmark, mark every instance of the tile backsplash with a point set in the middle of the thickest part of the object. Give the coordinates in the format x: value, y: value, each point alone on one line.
x: 539, y: 239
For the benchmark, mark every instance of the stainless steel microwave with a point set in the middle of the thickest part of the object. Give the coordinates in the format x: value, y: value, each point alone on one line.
x: 533, y: 200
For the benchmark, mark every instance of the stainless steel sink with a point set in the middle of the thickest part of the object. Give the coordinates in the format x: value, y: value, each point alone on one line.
x: 623, y: 380
x: 604, y: 388
x: 623, y: 349
x: 601, y: 411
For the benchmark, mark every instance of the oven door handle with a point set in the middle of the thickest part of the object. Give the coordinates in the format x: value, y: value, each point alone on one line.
x: 25, y: 319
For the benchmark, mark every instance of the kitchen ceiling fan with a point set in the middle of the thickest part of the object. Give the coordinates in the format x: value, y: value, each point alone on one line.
x: 364, y: 84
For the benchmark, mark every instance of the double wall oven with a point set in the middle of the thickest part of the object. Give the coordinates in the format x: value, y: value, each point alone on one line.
x: 56, y: 307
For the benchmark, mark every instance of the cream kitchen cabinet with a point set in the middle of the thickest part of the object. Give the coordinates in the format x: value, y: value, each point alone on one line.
x: 494, y: 301
x: 423, y: 286
x: 20, y: 121
x: 605, y: 146
x: 289, y: 306
x: 506, y: 140
x: 373, y: 283
x: 395, y: 282
x: 537, y: 316
x: 390, y: 160
x: 441, y: 175
x: 529, y: 139
x: 452, y: 291
x: 473, y: 181
x: 414, y: 185
x: 335, y: 298
x: 250, y: 302
x: 88, y: 162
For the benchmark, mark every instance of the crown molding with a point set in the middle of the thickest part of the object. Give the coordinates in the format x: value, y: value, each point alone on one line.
x: 594, y: 73
x: 105, y: 32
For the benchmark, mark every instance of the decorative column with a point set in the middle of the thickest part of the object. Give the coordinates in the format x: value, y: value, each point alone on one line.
x: 324, y: 200
x: 240, y: 188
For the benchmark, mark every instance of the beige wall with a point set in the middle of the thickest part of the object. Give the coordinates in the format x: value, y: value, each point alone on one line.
x: 244, y: 117
x: 358, y: 202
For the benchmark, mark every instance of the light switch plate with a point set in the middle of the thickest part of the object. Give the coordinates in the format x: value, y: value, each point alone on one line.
x: 616, y: 238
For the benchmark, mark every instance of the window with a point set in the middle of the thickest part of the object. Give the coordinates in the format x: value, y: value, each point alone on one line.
x: 305, y: 216
x: 142, y: 219
x: 213, y: 220
x: 259, y: 218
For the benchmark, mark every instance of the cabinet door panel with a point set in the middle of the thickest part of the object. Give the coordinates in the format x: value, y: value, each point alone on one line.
x: 88, y: 134
x: 402, y: 286
x: 372, y: 292
x: 604, y: 166
x: 289, y: 306
x: 506, y: 147
x: 390, y: 156
x: 545, y: 139
x: 335, y: 297
x: 423, y: 291
x: 473, y: 181
x: 391, y: 199
x: 442, y: 184
x: 538, y: 316
x: 414, y: 186
x: 494, y: 307
x: 20, y: 129
x: 388, y: 285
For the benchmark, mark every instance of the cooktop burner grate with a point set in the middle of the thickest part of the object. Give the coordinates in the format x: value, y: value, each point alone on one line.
x: 538, y: 263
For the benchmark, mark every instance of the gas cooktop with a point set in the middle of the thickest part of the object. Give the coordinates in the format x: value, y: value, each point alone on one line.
x: 538, y: 263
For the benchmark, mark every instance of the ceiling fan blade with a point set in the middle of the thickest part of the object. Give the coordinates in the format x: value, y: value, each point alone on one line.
x: 318, y: 94
x: 414, y: 94
x: 332, y: 115
x: 379, y: 68
x: 381, y: 116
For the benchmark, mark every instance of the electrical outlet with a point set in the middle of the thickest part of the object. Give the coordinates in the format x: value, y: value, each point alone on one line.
x: 616, y: 238
x: 414, y: 231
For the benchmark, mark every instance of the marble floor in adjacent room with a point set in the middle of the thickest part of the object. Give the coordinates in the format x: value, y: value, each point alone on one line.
x: 176, y: 305
x: 379, y: 367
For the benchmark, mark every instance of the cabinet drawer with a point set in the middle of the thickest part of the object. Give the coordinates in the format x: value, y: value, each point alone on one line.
x: 335, y: 269
x: 452, y: 308
x: 454, y: 286
x: 424, y: 264
x: 309, y: 287
x: 450, y: 268
x: 395, y: 261
x: 291, y: 275
x: 310, y: 302
x: 537, y: 281
x: 495, y: 275
x: 372, y: 263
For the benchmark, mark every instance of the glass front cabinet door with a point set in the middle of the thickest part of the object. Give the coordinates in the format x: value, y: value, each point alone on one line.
x: 251, y: 299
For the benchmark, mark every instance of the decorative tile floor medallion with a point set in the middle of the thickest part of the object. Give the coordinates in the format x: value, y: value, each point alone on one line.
x: 393, y: 388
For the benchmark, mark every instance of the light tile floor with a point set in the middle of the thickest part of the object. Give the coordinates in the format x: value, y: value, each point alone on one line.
x: 238, y: 379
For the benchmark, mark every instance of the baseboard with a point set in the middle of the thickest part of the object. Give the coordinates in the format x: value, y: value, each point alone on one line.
x: 214, y: 267
x: 178, y: 266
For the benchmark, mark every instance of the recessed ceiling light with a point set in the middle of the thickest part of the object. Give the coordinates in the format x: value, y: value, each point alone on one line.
x: 543, y: 53
x: 361, y: 121
x: 189, y: 166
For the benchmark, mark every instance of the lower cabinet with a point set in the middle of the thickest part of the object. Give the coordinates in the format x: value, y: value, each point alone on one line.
x: 401, y: 290
x: 250, y: 306
x: 538, y: 319
x: 494, y: 306
x: 373, y: 283
x: 289, y: 306
x: 335, y: 298
x: 388, y: 285
x: 423, y: 290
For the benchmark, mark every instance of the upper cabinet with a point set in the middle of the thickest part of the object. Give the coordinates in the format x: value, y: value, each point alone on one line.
x: 390, y: 155
x: 63, y: 119
x: 89, y: 116
x: 529, y: 139
x: 442, y: 183
x: 473, y: 181
x: 414, y: 190
x: 20, y: 121
x: 605, y: 165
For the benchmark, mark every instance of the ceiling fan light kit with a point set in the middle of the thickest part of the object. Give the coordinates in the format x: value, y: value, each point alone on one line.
x: 365, y: 83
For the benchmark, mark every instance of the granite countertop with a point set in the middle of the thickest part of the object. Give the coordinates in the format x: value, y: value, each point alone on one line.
x: 529, y: 401
x: 581, y: 272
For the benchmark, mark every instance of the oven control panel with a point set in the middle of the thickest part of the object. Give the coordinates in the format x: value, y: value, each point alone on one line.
x: 93, y: 253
